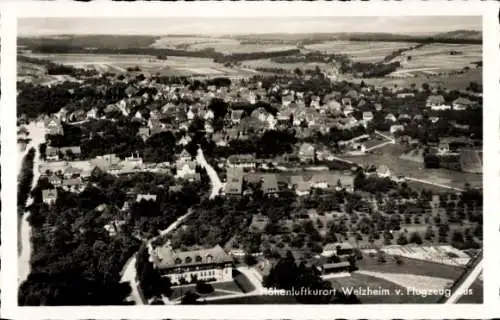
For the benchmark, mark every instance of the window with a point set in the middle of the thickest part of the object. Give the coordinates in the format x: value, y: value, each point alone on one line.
x: 209, y: 258
x: 197, y: 259
x: 178, y: 261
x: 188, y: 259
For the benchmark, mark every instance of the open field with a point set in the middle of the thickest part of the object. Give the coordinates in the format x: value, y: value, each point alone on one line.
x: 360, y: 50
x: 458, y: 81
x: 267, y: 63
x: 436, y: 58
x: 389, y: 156
x: 181, y: 66
x: 409, y: 266
x: 223, y: 45
x: 220, y: 289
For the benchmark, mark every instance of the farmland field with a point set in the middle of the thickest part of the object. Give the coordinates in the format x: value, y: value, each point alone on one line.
x: 361, y: 50
x: 437, y: 58
x: 416, y: 170
x: 453, y: 82
x: 410, y: 266
x: 181, y: 66
x: 267, y: 63
x: 223, y: 45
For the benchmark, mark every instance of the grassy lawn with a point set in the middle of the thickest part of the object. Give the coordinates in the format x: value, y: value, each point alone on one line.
x: 242, y: 282
x: 395, y: 294
x: 179, y: 291
x: 410, y: 266
x: 389, y: 156
x: 458, y: 81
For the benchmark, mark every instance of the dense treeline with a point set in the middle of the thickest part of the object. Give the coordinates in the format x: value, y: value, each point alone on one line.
x: 76, y: 261
x: 25, y: 179
x: 255, y: 55
x: 286, y: 274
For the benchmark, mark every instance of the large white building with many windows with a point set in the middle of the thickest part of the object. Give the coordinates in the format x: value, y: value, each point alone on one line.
x: 212, y: 264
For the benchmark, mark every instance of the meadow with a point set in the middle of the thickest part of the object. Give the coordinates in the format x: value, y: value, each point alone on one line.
x: 179, y: 66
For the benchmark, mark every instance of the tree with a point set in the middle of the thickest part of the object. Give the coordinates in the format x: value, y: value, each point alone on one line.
x: 402, y: 240
x: 415, y: 238
x: 429, y: 233
x: 250, y: 260
x: 204, y: 288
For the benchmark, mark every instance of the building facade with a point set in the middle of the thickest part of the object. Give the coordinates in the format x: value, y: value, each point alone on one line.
x: 212, y: 264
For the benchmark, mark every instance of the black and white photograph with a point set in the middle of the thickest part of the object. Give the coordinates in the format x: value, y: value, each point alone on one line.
x: 270, y: 160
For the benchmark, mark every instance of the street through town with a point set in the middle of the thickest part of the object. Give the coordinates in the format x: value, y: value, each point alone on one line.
x: 129, y: 273
x: 37, y: 136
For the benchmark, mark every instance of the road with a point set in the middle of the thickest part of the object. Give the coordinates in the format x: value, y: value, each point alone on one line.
x: 37, y: 136
x: 466, y: 283
x: 129, y: 272
x: 212, y: 174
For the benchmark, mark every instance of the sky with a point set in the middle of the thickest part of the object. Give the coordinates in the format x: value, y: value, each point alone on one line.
x: 219, y: 26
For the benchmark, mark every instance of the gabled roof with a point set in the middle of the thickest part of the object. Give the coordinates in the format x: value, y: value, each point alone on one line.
x: 166, y: 257
x: 435, y: 99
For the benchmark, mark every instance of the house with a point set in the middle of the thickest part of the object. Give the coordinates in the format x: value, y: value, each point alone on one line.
x: 236, y: 115
x: 418, y: 117
x: 209, y: 114
x: 461, y: 104
x: 259, y: 223
x: 436, y: 102
x: 71, y: 172
x: 346, y: 102
x: 378, y: 107
x: 54, y: 127
x: 286, y: 100
x: 49, y: 196
x: 144, y: 133
x: 260, y: 114
x: 383, y: 171
x: 404, y: 116
x: 51, y: 154
x: 306, y: 152
x: 390, y: 117
x: 55, y: 180
x: 73, y: 185
x: 433, y: 119
x: 353, y: 94
x: 241, y: 161
x: 234, y: 183
x: 395, y: 128
x: 190, y: 115
x: 184, y: 140
x: 335, y: 267
x: 155, y: 114
x: 443, y: 148
x: 131, y: 91
x: 145, y: 197
x: 269, y: 184
x: 70, y: 153
x: 92, y: 114
x: 106, y: 162
x: 367, y: 116
x: 212, y: 264
x: 338, y: 249
x: 402, y: 95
